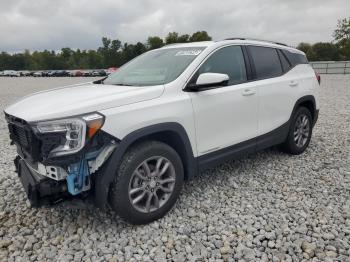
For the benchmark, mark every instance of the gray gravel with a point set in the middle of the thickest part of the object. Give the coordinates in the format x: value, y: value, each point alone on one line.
x: 267, y: 207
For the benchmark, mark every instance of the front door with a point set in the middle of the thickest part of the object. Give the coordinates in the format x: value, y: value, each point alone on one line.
x: 227, y: 115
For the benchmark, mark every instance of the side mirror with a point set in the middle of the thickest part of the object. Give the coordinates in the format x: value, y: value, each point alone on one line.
x: 207, y: 81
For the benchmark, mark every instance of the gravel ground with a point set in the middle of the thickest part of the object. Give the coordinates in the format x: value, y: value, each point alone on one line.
x: 267, y: 207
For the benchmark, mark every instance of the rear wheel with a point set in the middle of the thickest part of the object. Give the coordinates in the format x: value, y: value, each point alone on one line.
x: 300, y: 132
x: 148, y: 182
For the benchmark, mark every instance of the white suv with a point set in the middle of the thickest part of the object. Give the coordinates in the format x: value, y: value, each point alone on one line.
x: 131, y: 139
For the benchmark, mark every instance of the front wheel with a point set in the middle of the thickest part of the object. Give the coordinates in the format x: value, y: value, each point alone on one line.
x: 300, y: 132
x: 148, y: 182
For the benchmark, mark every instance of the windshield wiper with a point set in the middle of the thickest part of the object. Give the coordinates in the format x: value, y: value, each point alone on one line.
x: 100, y: 81
x: 121, y: 84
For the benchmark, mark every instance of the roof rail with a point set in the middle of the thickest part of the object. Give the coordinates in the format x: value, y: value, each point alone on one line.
x: 255, y: 39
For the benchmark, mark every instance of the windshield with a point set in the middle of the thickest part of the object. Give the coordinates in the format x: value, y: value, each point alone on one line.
x: 156, y: 67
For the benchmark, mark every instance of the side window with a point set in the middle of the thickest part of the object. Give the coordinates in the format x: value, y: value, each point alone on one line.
x: 266, y: 61
x: 286, y: 66
x: 227, y: 60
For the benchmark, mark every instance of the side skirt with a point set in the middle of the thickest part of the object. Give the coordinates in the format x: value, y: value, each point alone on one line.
x: 275, y: 137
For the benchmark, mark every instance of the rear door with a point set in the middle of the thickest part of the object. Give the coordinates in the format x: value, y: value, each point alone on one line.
x: 277, y: 86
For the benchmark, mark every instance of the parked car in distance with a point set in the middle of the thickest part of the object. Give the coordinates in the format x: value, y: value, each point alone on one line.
x: 60, y: 73
x: 38, y: 74
x: 1, y: 73
x: 76, y: 73
x: 131, y: 139
x: 87, y: 73
x: 11, y: 73
x: 24, y: 73
x: 99, y: 73
x: 46, y: 73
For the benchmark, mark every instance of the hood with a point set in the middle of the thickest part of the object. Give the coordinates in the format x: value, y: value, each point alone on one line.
x: 79, y: 99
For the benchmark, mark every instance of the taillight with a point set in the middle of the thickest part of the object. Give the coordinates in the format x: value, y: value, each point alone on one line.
x: 318, y: 77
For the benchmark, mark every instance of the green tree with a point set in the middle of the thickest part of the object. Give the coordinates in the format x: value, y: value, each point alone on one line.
x: 65, y: 56
x: 105, y: 50
x: 139, y: 48
x: 105, y: 43
x: 5, y: 61
x: 342, y: 33
x: 200, y: 36
x: 325, y: 52
x: 131, y: 51
x: 308, y: 50
x: 342, y: 38
x: 154, y: 42
x: 115, y: 58
x: 94, y: 60
x: 344, y: 51
x: 171, y: 38
x: 66, y: 52
x: 111, y: 53
x: 183, y: 38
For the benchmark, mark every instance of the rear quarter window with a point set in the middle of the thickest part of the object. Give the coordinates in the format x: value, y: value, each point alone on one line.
x: 266, y: 61
x: 295, y: 58
x: 286, y: 65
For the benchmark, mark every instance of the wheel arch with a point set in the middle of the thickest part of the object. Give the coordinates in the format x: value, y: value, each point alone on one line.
x: 170, y: 133
x: 309, y: 102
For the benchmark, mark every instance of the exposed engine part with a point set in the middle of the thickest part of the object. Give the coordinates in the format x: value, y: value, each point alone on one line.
x: 78, y: 179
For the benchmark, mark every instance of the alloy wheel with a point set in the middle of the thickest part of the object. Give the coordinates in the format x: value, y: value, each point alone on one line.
x: 301, y: 130
x: 151, y: 184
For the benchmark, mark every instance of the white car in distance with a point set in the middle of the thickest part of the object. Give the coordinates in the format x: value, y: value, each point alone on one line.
x: 12, y: 73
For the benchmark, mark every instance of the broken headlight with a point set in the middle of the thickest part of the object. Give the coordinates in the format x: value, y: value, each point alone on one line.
x: 73, y: 132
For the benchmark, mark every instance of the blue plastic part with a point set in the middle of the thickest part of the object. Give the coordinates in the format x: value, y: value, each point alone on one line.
x: 78, y: 174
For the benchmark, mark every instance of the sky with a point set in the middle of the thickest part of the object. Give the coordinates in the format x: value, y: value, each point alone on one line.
x: 53, y: 24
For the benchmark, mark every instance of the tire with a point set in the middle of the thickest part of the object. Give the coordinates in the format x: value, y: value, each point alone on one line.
x: 133, y: 174
x: 298, y: 139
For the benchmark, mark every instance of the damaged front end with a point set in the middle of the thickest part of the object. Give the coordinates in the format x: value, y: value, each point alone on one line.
x: 58, y: 159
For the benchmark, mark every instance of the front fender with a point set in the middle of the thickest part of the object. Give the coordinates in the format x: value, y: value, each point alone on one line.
x: 106, y: 177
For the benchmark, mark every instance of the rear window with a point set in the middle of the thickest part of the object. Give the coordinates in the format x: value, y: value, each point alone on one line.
x: 295, y: 58
x: 266, y: 61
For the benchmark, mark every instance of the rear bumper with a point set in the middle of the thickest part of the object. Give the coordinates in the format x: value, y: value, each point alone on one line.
x: 40, y: 190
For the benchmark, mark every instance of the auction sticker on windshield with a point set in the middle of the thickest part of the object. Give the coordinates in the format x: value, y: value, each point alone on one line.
x: 194, y: 52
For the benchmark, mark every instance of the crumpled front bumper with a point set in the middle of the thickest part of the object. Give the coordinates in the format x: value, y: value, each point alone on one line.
x: 40, y: 190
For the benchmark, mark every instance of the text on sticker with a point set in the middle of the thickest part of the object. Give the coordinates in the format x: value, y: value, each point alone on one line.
x: 188, y: 52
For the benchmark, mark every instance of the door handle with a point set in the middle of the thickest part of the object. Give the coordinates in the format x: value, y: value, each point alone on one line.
x: 248, y: 92
x: 293, y: 83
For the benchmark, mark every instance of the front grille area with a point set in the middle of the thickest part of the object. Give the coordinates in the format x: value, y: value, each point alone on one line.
x: 20, y: 135
x: 23, y: 136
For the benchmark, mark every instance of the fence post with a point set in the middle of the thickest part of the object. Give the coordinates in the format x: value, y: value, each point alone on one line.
x: 345, y: 68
